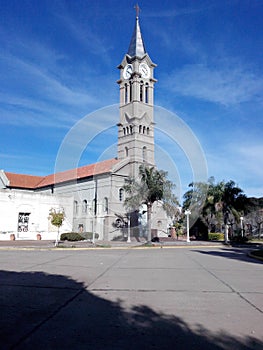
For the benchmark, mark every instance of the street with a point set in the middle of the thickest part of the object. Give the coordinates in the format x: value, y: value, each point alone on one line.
x: 156, y: 298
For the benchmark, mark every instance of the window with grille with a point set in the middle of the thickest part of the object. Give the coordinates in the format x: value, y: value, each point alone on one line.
x: 121, y: 194
x: 84, y: 206
x: 23, y: 222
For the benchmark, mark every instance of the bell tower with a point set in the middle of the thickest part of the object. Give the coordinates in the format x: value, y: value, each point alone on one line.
x: 136, y: 126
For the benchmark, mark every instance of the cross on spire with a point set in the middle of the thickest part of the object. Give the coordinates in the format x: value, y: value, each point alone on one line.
x: 136, y: 47
x: 137, y: 9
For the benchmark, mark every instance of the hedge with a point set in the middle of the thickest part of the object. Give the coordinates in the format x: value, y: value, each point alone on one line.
x: 71, y: 236
x: 89, y: 235
x: 239, y: 239
x: 75, y: 236
x: 216, y: 236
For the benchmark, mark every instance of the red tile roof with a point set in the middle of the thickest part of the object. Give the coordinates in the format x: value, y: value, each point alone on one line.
x: 34, y: 182
x: 23, y: 181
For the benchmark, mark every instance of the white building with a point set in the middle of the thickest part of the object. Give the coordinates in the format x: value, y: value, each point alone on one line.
x: 92, y: 195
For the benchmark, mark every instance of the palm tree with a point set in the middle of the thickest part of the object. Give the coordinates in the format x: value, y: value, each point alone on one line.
x: 223, y: 200
x: 196, y: 199
x: 151, y: 187
x: 212, y: 210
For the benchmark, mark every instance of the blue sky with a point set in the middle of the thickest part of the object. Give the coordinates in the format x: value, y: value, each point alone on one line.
x: 58, y: 63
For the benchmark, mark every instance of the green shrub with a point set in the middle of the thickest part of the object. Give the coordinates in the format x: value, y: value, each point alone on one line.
x: 71, y: 236
x: 239, y: 239
x: 216, y: 236
x: 119, y: 238
x: 89, y: 235
x: 75, y: 236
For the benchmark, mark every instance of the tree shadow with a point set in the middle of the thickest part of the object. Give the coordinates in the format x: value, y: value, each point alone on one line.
x: 43, y: 311
x: 232, y: 253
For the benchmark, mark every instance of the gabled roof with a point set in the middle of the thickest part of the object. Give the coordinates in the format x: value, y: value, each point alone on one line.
x: 37, y: 182
x: 79, y: 173
x: 4, y: 182
x: 23, y: 181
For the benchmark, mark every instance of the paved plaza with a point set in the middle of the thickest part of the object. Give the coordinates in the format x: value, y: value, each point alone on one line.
x: 197, y: 297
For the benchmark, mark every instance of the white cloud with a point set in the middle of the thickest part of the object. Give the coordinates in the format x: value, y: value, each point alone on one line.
x: 240, y: 163
x: 37, y: 96
x: 42, y: 81
x: 189, y: 10
x: 12, y: 156
x: 251, y: 157
x: 227, y: 84
x: 87, y: 38
x: 254, y: 191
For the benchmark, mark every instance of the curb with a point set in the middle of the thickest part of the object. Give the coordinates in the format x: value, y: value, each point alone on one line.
x: 104, y: 248
x: 251, y: 255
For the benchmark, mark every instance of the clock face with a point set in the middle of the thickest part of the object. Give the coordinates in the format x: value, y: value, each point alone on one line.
x: 127, y: 72
x: 144, y: 70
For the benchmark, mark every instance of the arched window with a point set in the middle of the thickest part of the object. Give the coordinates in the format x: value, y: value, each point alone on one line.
x: 84, y: 207
x: 131, y: 129
x: 124, y: 131
x: 94, y: 209
x: 143, y: 130
x: 144, y: 154
x: 127, y: 130
x: 148, y: 131
x: 81, y: 228
x: 141, y: 91
x: 146, y: 93
x: 126, y: 93
x: 121, y: 194
x: 126, y: 151
x: 76, y: 207
x: 140, y: 129
x: 130, y: 91
x: 106, y: 205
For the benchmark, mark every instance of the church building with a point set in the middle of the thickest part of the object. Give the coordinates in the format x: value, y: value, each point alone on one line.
x: 92, y: 196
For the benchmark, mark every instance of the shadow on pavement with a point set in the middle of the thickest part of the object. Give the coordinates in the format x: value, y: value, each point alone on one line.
x: 43, y: 311
x: 234, y: 253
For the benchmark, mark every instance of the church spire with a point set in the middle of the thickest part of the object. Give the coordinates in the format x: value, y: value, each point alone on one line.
x: 136, y: 126
x: 137, y: 47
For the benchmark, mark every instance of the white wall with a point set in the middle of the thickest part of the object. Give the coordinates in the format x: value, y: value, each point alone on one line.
x: 12, y: 202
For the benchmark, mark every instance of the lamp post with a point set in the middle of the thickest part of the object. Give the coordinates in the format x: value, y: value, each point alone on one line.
x: 129, y: 228
x: 241, y: 225
x: 187, y: 213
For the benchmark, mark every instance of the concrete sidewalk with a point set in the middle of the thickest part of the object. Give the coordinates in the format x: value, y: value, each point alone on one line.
x: 34, y: 244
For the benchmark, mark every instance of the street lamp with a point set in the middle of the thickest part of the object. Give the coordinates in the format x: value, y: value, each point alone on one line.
x: 94, y: 228
x: 129, y: 228
x: 187, y: 213
x: 241, y: 225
